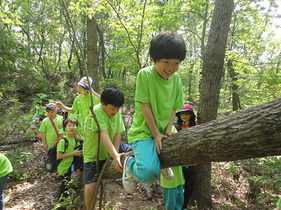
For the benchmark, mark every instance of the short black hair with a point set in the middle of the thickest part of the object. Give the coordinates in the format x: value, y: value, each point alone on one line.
x: 112, y: 95
x: 167, y: 45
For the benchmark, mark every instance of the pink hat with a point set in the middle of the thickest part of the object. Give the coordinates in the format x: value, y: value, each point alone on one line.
x: 186, y: 107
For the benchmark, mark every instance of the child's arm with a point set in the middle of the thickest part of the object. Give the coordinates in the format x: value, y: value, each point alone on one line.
x: 95, y: 94
x: 112, y: 151
x: 168, y: 130
x: 117, y: 141
x: 43, y: 137
x: 149, y: 119
x: 61, y: 155
x: 67, y: 109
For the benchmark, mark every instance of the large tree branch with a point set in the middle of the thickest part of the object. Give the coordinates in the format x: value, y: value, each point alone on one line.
x: 254, y: 132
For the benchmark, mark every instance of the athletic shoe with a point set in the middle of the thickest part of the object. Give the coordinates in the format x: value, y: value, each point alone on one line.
x: 167, y: 173
x: 128, y: 180
x: 148, y: 196
x: 76, y: 173
x: 158, y: 189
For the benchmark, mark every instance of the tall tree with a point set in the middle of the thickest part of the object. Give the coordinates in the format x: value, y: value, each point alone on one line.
x: 212, y: 71
x: 92, y: 52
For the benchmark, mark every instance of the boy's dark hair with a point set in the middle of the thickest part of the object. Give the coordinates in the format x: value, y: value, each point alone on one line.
x: 50, y: 107
x: 167, y: 45
x: 72, y: 120
x: 113, y: 96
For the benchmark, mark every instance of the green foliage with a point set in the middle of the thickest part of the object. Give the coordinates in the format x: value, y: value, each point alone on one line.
x: 267, y: 172
x: 75, y: 195
x: 17, y: 158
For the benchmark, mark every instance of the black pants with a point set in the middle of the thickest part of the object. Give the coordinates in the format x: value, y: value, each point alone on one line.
x: 63, y: 187
x: 189, y: 177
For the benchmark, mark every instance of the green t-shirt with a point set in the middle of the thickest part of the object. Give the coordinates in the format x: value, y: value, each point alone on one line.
x: 47, y: 127
x: 177, y: 179
x: 65, y: 163
x: 81, y: 105
x: 112, y: 125
x: 163, y: 96
x: 5, y: 166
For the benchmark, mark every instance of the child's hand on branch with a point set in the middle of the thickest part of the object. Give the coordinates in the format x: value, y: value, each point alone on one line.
x: 158, y: 142
x: 169, y: 133
x: 117, y: 162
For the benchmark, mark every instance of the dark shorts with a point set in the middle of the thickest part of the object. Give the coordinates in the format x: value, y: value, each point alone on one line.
x: 90, y: 171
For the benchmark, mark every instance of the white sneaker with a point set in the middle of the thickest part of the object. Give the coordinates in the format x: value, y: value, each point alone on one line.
x: 167, y: 173
x: 128, y: 180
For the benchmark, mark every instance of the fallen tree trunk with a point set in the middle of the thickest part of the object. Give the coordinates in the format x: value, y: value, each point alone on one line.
x: 19, y: 140
x: 253, y: 132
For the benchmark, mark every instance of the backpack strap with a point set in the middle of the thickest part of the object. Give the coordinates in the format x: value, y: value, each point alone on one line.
x: 54, y: 127
x: 65, y: 143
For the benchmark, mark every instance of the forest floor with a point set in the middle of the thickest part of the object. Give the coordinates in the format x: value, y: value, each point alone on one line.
x: 31, y: 187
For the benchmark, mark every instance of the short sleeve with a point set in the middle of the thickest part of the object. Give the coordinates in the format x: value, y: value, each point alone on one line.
x: 120, y: 124
x: 95, y: 100
x: 142, y: 93
x: 75, y: 104
x: 179, y: 103
x: 101, y: 119
x: 43, y: 127
x: 60, y: 146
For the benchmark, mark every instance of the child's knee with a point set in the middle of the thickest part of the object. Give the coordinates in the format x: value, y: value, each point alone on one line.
x: 148, y: 174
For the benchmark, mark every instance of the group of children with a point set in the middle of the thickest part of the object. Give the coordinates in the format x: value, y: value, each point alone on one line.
x: 158, y: 95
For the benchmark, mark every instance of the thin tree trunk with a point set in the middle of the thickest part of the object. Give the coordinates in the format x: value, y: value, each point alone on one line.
x: 212, y: 71
x: 92, y: 52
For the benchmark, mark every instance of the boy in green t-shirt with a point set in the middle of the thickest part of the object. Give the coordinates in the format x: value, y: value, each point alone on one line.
x: 67, y: 155
x: 48, y: 133
x: 158, y: 95
x: 82, y: 103
x: 111, y: 125
x: 5, y: 169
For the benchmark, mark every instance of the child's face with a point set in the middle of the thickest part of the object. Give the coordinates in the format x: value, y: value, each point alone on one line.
x: 52, y: 113
x: 110, y: 110
x: 70, y: 128
x: 166, y: 67
x: 79, y: 89
x: 185, y: 116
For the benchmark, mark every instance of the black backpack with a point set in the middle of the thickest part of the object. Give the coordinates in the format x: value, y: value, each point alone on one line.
x: 51, y: 163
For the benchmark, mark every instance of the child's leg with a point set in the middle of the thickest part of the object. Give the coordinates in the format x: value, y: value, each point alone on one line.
x: 124, y: 148
x: 89, y: 193
x: 189, y: 177
x: 63, y: 187
x: 145, y: 166
x: 3, y: 181
x: 173, y: 198
x: 90, y: 179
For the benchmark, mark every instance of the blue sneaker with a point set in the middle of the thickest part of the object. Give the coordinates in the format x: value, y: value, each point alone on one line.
x: 128, y: 180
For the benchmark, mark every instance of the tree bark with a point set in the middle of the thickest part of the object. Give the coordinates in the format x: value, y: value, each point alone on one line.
x: 92, y: 52
x: 212, y: 72
x: 253, y: 132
